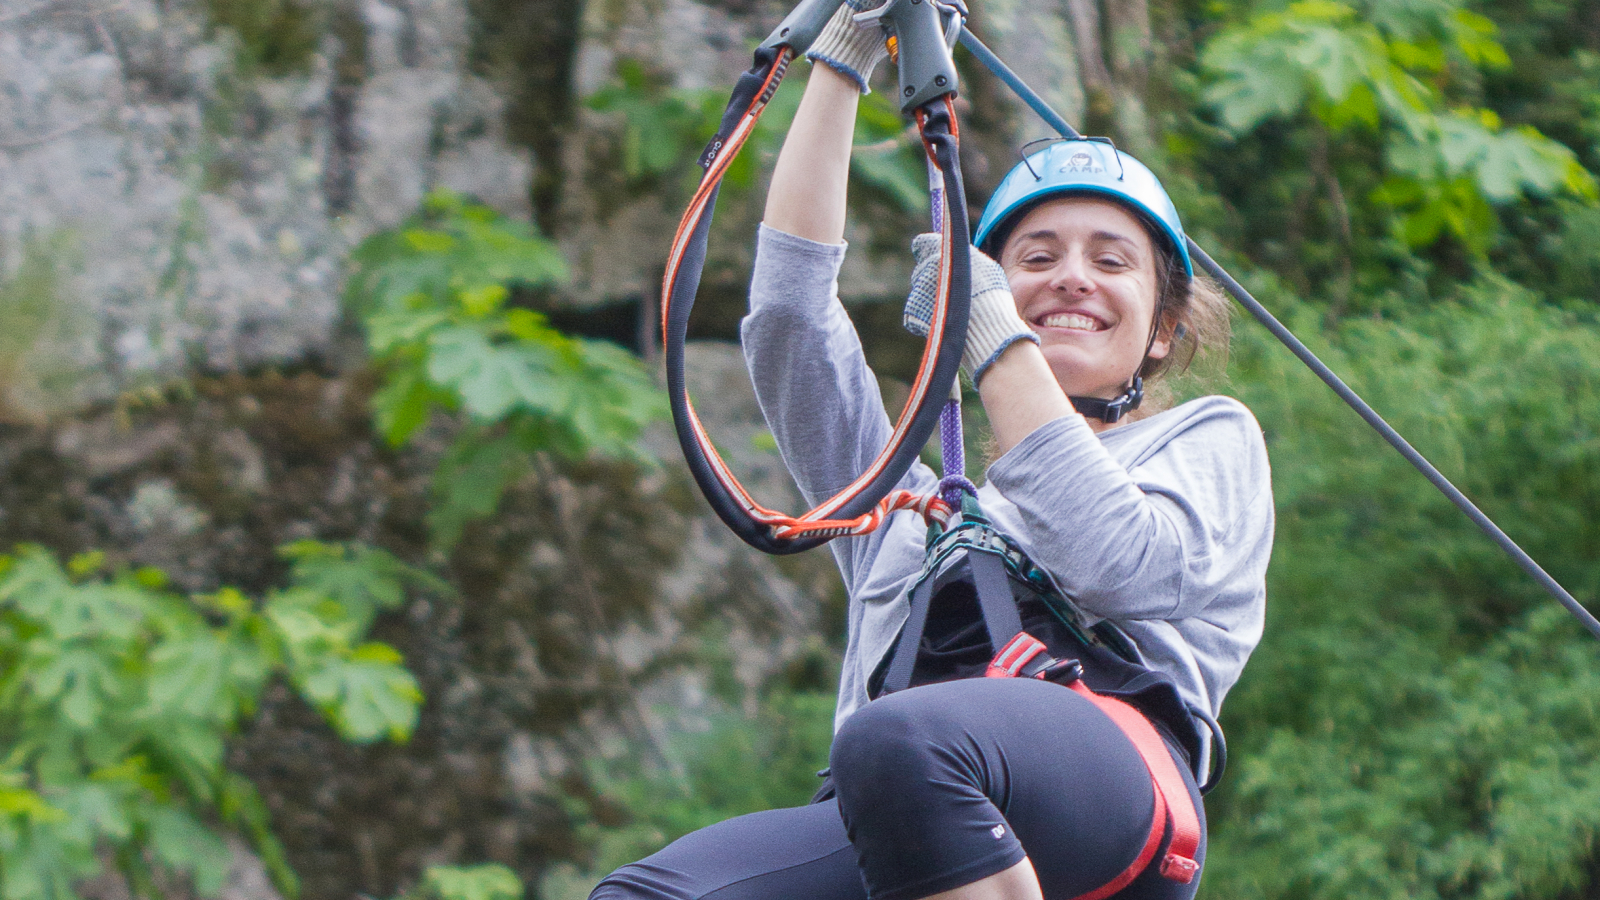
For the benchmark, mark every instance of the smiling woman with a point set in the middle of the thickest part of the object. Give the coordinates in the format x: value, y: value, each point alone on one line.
x: 1154, y: 533
x: 1112, y: 306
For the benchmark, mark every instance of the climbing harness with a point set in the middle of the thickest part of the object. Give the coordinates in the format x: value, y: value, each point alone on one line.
x: 971, y: 563
x: 1028, y: 96
x: 921, y: 36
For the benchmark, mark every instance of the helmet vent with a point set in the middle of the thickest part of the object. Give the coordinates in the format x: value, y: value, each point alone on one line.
x: 1078, y: 162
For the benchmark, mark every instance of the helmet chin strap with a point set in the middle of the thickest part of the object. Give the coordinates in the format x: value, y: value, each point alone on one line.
x: 1109, y: 411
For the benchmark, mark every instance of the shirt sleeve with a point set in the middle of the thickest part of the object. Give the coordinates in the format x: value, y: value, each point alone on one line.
x: 819, y: 397
x: 1161, y: 536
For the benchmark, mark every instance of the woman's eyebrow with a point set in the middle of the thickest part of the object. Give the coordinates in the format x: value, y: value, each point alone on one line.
x: 1104, y: 236
x: 1049, y: 234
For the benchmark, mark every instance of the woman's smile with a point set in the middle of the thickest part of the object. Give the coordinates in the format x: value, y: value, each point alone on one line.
x: 1070, y: 321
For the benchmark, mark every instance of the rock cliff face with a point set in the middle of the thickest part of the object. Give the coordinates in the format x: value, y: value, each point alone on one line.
x: 183, y: 195
x: 180, y: 183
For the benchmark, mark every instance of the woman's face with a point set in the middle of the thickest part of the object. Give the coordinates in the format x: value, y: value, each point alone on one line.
x: 1083, y: 272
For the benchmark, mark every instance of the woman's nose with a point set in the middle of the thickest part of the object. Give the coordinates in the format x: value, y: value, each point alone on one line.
x: 1071, y: 275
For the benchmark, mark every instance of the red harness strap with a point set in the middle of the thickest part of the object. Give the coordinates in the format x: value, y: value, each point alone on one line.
x: 1171, y: 794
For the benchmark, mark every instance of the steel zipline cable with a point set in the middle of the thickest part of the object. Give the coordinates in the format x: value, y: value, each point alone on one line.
x: 995, y: 65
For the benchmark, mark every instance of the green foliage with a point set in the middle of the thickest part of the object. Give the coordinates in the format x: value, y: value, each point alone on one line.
x: 279, y: 36
x: 887, y: 155
x: 1347, y: 67
x: 664, y: 130
x: 486, y: 882
x: 434, y: 297
x: 741, y: 765
x: 1421, y: 721
x: 660, y: 126
x: 1398, y: 72
x: 1476, y: 776
x: 117, y: 694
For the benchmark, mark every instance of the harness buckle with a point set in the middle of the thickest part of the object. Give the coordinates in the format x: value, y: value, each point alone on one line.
x: 1012, y: 660
x: 1179, y: 868
x: 1061, y: 671
x: 1025, y: 656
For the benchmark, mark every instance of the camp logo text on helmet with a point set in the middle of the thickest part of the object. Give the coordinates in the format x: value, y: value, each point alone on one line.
x: 1082, y: 162
x: 1068, y: 167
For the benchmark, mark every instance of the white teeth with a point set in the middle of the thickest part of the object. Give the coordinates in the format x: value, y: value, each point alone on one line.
x: 1074, y: 321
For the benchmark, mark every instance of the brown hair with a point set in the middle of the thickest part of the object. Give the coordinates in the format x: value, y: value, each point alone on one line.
x: 1194, y: 317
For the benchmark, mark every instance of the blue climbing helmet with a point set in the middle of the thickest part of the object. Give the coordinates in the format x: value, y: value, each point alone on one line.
x: 1082, y: 167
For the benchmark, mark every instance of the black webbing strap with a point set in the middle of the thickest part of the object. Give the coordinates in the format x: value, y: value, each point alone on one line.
x: 993, y: 586
x: 746, y: 92
x: 904, y: 661
x: 995, y: 600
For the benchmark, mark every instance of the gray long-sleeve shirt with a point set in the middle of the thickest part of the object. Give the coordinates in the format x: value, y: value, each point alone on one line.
x: 1161, y: 525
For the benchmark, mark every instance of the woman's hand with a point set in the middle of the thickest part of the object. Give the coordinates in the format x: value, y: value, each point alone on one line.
x: 993, y: 324
x: 1002, y: 356
x: 848, y: 48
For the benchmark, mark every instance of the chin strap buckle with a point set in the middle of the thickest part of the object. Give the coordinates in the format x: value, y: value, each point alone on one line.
x: 1111, y: 411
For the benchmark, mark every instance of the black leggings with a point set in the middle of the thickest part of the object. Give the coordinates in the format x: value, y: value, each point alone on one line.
x: 938, y: 787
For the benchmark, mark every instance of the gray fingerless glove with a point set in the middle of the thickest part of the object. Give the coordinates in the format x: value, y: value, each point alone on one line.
x: 993, y: 323
x: 854, y: 51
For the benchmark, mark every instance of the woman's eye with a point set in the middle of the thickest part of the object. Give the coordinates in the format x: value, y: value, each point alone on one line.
x: 1112, y: 262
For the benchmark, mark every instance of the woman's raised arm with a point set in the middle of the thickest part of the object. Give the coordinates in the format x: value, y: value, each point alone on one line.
x: 807, y: 196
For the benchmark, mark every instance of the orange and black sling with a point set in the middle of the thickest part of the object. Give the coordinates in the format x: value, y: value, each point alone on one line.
x: 861, y: 506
